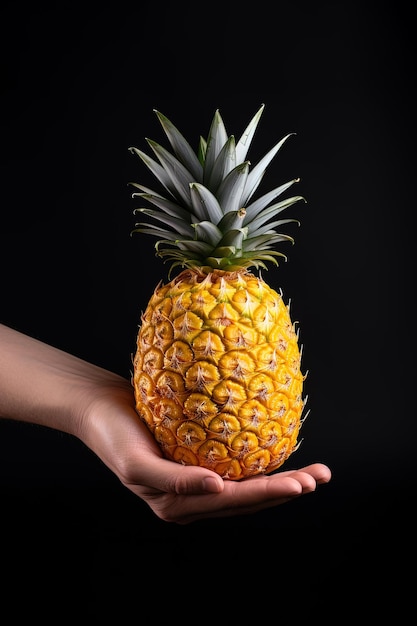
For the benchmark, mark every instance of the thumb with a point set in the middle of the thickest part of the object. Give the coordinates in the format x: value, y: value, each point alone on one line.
x: 171, y: 477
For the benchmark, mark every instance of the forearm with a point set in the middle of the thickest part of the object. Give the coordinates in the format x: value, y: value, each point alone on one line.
x: 44, y: 385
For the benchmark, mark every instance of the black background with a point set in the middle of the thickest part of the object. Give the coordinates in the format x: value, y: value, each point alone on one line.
x: 78, y: 88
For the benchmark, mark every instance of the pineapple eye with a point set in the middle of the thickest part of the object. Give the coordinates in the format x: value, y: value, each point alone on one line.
x: 179, y: 356
x: 236, y: 365
x: 199, y: 407
x: 202, y: 377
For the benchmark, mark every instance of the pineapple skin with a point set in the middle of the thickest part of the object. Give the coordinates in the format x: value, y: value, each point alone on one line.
x: 217, y: 373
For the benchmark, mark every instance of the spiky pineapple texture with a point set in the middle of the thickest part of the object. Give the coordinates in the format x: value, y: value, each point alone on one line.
x: 217, y: 369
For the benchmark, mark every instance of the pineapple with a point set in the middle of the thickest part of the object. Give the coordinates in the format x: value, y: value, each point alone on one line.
x: 217, y: 369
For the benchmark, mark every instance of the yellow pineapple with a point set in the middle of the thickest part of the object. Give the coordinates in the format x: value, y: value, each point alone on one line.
x: 217, y: 369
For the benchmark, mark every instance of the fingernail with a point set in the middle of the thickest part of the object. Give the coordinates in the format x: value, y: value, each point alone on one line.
x: 211, y: 485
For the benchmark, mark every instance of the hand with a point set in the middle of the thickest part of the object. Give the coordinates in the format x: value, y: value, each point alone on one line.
x: 180, y: 493
x: 64, y: 392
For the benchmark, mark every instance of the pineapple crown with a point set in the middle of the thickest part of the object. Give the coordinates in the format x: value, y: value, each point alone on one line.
x: 208, y: 215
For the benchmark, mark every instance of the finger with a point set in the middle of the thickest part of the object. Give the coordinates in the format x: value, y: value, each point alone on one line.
x: 320, y: 472
x: 165, y: 476
x: 255, y: 494
x: 237, y: 498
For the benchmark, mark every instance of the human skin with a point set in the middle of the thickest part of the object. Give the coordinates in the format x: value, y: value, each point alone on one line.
x: 69, y: 394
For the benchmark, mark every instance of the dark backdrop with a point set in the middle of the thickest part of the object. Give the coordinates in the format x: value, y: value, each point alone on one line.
x: 78, y: 88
